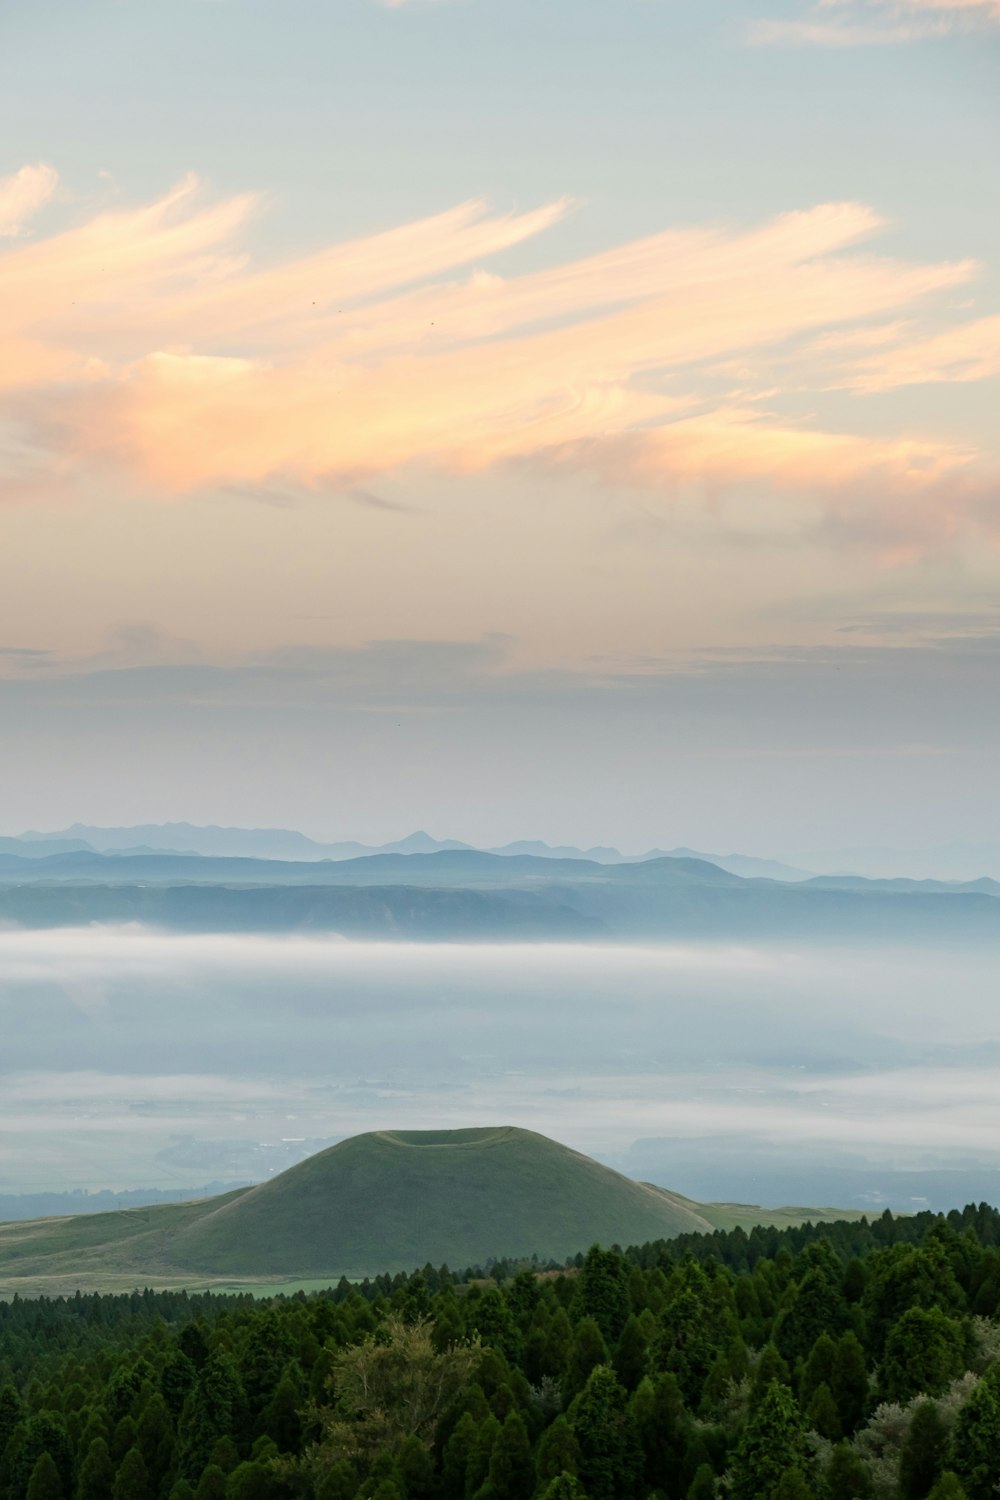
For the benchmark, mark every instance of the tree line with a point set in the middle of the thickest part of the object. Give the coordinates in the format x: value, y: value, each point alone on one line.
x: 836, y: 1362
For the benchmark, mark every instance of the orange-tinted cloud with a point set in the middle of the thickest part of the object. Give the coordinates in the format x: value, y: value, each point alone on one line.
x: 147, y: 339
x: 967, y: 353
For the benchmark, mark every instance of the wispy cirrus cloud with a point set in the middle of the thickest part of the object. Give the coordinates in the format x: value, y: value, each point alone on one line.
x: 866, y: 23
x: 147, y: 341
x: 968, y: 353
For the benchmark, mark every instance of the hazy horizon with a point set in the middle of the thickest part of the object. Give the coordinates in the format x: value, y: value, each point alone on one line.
x: 955, y: 860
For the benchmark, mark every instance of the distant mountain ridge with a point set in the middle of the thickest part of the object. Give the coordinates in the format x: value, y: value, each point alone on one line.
x: 217, y: 842
x: 287, y: 844
x: 56, y: 1204
x: 948, y: 863
x: 466, y: 895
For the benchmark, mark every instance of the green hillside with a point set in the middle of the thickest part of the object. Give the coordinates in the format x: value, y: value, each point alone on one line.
x: 384, y: 1201
x: 400, y: 1198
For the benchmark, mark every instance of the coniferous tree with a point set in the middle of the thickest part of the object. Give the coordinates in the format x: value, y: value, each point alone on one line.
x: 815, y: 1306
x: 415, y: 1467
x: 558, y: 1451
x: 41, y: 1433
x: 772, y: 1443
x: 212, y: 1410
x: 492, y: 1321
x: 124, y: 1437
x: 535, y: 1358
x: 448, y: 1326
x: 602, y: 1291
x: 511, y: 1474
x: 793, y: 1485
x: 770, y: 1368
x: 702, y: 1486
x: 922, y: 1458
x: 558, y: 1342
x: 194, y: 1343
x: 120, y: 1393
x: 457, y: 1457
x: 610, y: 1455
x: 224, y: 1455
x: 11, y: 1412
x: 630, y: 1356
x: 822, y: 1414
x: 853, y: 1283
x: 849, y: 1381
x: 386, y: 1489
x: 97, y: 1475
x: 587, y: 1351
x: 45, y: 1482
x: 690, y: 1337
x: 906, y: 1276
x: 975, y: 1443
x: 846, y: 1477
x: 255, y: 1481
x: 155, y: 1438
x: 132, y: 1478
x: 564, y: 1487
x: 264, y: 1357
x: 176, y: 1379
x: 663, y: 1426
x: 818, y: 1369
x: 924, y: 1353
x: 212, y: 1484
x: 481, y: 1454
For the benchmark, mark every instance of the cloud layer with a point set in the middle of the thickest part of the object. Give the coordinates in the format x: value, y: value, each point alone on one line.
x: 124, y: 1044
x: 146, y: 343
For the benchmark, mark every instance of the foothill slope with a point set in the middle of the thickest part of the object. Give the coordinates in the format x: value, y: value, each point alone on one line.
x: 385, y: 1201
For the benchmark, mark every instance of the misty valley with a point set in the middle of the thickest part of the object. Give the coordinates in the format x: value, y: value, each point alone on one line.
x: 499, y: 745
x: 495, y: 1065
x: 140, y: 1059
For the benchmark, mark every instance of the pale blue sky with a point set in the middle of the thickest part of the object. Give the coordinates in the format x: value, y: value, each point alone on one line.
x: 650, y: 112
x: 802, y: 576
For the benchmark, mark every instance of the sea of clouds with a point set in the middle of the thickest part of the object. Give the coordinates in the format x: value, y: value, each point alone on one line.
x: 134, y: 1058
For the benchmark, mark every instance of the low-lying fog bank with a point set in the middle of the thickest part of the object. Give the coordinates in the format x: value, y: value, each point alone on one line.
x: 137, y: 1059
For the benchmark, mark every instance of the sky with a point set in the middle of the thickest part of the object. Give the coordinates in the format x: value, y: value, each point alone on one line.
x: 573, y: 421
